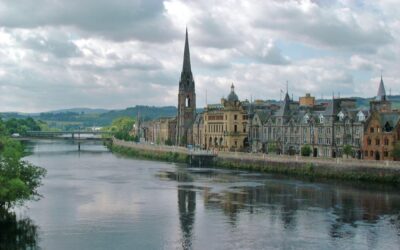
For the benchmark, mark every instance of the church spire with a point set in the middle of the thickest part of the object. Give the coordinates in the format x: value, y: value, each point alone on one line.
x: 381, y: 96
x: 186, y: 56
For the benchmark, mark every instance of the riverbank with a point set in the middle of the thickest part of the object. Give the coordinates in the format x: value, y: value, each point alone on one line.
x: 357, y: 170
x: 152, y: 153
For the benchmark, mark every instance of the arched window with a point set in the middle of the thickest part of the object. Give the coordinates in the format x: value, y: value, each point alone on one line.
x: 187, y: 102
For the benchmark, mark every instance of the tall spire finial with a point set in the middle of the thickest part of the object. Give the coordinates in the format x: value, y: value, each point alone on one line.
x: 287, y: 86
x: 186, y: 55
x: 381, y: 96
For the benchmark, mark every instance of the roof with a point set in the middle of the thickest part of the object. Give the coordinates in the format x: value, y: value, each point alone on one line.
x: 263, y: 115
x: 232, y: 97
x: 392, y: 118
x: 381, y: 96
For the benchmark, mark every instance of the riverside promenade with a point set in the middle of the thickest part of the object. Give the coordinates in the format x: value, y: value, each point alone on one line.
x: 386, y: 171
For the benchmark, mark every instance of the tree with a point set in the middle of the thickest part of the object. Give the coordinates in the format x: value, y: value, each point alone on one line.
x: 169, y: 142
x: 19, y: 179
x: 396, y: 151
x: 348, y: 150
x: 122, y: 128
x: 272, y: 148
x: 306, y: 150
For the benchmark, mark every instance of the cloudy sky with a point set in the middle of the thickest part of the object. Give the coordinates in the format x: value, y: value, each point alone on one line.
x: 115, y: 54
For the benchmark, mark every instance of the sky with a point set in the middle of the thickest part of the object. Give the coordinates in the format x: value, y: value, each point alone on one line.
x: 57, y: 54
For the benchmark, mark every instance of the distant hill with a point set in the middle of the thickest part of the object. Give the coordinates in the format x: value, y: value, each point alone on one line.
x: 78, y: 118
x: 80, y: 111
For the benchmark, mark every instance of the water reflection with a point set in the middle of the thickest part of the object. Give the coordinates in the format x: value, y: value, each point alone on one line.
x: 187, y: 207
x: 20, y: 233
x: 345, y: 207
x: 104, y: 201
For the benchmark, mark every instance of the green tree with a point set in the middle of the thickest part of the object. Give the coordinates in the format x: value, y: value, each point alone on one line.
x: 348, y: 150
x: 272, y: 148
x: 396, y: 151
x: 169, y: 142
x: 122, y: 127
x: 306, y: 150
x: 19, y: 179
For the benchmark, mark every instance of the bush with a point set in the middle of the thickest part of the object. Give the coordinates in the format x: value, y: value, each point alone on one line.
x: 306, y: 150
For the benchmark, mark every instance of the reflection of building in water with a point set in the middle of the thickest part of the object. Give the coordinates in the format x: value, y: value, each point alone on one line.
x: 348, y: 206
x: 187, y: 207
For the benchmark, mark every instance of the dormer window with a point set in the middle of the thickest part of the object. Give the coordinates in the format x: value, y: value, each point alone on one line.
x: 341, y: 116
x: 361, y: 116
x: 321, y: 118
x: 306, y: 118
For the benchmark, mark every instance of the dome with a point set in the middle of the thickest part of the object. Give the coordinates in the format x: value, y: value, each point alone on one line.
x: 232, y: 97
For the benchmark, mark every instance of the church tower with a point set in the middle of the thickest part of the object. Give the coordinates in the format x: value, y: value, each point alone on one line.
x: 186, y: 101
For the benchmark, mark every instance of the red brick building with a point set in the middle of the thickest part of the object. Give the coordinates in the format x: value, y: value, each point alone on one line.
x: 382, y: 128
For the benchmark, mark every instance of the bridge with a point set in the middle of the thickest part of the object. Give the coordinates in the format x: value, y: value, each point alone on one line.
x: 76, y: 136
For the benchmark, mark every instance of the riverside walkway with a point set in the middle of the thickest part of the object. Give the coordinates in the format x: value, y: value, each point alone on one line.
x: 242, y: 156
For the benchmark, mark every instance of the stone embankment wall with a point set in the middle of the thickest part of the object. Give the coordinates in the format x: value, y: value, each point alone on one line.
x: 350, y: 169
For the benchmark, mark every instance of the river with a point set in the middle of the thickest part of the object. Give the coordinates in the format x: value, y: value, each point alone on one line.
x: 94, y: 199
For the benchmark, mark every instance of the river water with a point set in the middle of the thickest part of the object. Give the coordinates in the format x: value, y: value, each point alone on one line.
x: 94, y: 199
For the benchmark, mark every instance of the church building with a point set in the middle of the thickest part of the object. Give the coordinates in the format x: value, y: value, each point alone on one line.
x: 186, y: 101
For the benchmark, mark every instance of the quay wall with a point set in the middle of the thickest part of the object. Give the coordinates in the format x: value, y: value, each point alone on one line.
x: 347, y: 169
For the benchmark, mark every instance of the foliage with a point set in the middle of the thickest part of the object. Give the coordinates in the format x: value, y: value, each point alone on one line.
x: 396, y: 151
x: 169, y: 142
x: 272, y: 148
x: 20, y: 126
x: 347, y: 150
x: 306, y: 150
x: 19, y: 179
x: 122, y: 128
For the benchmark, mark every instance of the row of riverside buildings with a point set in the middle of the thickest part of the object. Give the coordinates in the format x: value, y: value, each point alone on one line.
x: 283, y: 128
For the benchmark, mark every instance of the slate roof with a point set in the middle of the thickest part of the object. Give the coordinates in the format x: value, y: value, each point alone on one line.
x: 381, y: 96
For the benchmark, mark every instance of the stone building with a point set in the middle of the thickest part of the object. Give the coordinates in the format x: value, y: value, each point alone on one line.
x: 382, y: 128
x: 326, y: 128
x: 224, y: 126
x: 186, y: 101
x: 160, y: 131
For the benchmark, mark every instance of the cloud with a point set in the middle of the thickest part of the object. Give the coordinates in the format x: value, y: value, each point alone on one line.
x: 114, y: 54
x: 339, y: 27
x: 360, y: 63
x: 122, y: 20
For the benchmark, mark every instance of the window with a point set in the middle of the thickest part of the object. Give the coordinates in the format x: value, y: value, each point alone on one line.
x: 371, y: 130
x: 235, y: 128
x: 371, y: 153
x: 377, y: 142
x: 386, y: 153
x: 369, y: 141
x: 386, y: 141
x: 187, y: 102
x: 235, y: 117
